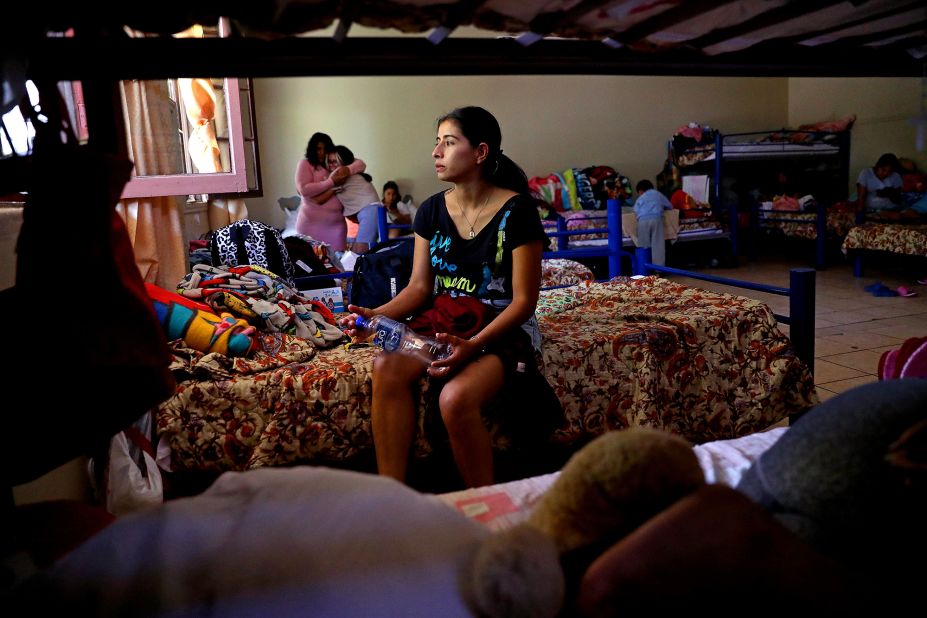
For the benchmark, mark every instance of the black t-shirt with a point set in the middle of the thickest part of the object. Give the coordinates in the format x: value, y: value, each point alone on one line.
x: 480, y: 266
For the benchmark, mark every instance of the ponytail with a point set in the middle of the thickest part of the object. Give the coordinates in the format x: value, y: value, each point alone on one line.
x: 507, y: 174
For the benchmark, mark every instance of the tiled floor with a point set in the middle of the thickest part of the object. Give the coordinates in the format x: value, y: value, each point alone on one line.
x: 853, y: 327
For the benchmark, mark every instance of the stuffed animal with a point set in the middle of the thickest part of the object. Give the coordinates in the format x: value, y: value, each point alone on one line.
x: 607, y: 489
x: 827, y: 519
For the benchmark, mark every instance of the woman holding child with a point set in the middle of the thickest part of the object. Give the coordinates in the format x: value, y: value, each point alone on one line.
x: 320, y: 213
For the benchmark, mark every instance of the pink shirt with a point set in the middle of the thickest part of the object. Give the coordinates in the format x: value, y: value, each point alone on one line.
x: 324, y: 222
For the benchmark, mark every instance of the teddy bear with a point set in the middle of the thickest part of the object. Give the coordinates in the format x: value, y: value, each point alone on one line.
x: 827, y: 519
x: 607, y: 489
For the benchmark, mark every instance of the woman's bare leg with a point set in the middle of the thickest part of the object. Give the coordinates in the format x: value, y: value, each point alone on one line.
x: 392, y: 412
x: 462, y: 401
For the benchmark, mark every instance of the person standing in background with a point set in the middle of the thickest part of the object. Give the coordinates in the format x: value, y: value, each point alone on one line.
x: 648, y: 210
x: 320, y: 211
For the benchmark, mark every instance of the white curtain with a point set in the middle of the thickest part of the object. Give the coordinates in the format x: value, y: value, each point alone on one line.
x: 155, y: 224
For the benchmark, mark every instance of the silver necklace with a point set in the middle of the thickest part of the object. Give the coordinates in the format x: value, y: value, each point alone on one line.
x: 476, y: 219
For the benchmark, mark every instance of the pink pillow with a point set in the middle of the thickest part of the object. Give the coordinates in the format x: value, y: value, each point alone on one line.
x: 916, y: 365
x: 908, y: 361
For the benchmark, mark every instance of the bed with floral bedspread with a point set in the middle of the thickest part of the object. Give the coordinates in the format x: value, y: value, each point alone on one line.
x: 578, y: 220
x: 804, y: 224
x: 623, y: 353
x: 909, y: 239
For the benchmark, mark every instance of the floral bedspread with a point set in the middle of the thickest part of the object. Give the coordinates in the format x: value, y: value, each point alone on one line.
x: 893, y: 237
x: 558, y: 272
x: 578, y: 220
x: 619, y: 354
x: 689, y: 224
x: 803, y: 224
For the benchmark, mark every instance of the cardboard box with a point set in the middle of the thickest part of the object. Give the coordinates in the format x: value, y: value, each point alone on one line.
x: 330, y: 297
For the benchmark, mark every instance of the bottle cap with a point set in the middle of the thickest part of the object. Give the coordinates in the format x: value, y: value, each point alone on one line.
x: 361, y: 322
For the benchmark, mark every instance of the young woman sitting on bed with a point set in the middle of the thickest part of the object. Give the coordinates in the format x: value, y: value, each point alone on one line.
x: 477, y: 260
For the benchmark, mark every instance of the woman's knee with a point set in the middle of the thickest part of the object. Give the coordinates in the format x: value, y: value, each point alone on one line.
x: 395, y: 370
x: 458, y: 404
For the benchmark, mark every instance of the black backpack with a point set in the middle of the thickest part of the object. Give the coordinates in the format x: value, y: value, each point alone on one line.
x: 381, y: 273
x: 247, y: 242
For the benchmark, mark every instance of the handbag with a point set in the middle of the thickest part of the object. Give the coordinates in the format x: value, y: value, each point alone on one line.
x: 381, y: 273
x: 133, y: 480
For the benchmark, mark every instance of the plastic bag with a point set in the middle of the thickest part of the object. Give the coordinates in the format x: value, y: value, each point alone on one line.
x: 133, y: 479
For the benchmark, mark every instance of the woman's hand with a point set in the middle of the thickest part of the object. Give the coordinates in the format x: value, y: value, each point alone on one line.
x: 340, y: 175
x: 349, y: 323
x: 462, y: 351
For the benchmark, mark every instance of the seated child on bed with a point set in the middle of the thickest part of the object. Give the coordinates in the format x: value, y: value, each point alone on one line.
x: 648, y: 208
x: 398, y: 211
x: 878, y: 188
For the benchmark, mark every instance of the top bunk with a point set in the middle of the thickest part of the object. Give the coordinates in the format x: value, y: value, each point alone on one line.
x: 761, y: 145
x: 782, y: 144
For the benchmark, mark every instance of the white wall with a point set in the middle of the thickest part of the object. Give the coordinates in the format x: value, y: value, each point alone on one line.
x: 883, y: 108
x: 549, y: 123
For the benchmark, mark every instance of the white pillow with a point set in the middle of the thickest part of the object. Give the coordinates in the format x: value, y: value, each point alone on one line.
x: 290, y: 208
x: 277, y: 542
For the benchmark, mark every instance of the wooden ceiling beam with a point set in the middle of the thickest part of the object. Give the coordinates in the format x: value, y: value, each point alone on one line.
x: 872, y: 37
x: 898, y: 10
x: 547, y: 23
x: 763, y: 20
x: 455, y: 15
x: 665, y: 20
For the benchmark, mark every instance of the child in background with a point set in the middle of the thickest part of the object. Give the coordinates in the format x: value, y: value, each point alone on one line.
x: 398, y: 212
x: 648, y: 209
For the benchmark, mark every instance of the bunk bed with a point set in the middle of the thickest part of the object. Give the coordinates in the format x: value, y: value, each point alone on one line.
x: 824, y: 225
x: 588, y: 230
x: 740, y: 164
x: 691, y: 162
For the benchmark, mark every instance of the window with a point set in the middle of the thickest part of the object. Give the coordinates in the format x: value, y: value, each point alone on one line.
x: 200, y: 133
x: 202, y: 153
x: 204, y: 129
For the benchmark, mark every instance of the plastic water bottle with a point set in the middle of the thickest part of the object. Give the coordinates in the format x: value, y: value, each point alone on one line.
x: 395, y: 336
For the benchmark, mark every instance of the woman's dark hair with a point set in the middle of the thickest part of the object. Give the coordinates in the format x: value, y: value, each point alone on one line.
x: 481, y: 127
x: 345, y: 154
x: 888, y: 160
x: 391, y: 184
x: 311, y: 154
x: 347, y: 158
